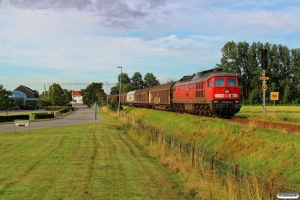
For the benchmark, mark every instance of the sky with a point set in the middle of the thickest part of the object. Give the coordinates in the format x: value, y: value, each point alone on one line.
x: 77, y: 42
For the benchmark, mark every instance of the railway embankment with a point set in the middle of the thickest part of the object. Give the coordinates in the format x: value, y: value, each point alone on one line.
x: 271, y: 154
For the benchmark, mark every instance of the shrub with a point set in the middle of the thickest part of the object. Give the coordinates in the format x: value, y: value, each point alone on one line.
x: 59, y: 108
x: 43, y: 116
x: 11, y: 118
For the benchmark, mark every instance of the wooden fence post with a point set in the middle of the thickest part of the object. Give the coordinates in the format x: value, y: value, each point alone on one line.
x: 271, y: 187
x: 193, y: 156
x: 180, y: 148
x: 236, y: 172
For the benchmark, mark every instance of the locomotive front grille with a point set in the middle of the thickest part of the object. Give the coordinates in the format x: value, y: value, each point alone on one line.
x: 226, y: 104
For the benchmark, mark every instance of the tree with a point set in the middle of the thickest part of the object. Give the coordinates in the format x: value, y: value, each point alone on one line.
x: 295, y: 68
x: 283, y: 71
x: 11, y: 103
x: 5, y: 101
x: 67, y: 97
x: 56, y: 95
x: 94, y: 93
x: 150, y: 80
x: 126, y: 85
x: 19, y: 102
x: 113, y: 104
x: 44, y: 100
x: 114, y: 90
x: 137, y: 81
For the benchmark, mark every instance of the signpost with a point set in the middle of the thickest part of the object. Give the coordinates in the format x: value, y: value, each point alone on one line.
x: 264, y: 78
x: 264, y: 88
x: 22, y: 122
x: 274, y: 96
x: 95, y: 107
x: 264, y: 65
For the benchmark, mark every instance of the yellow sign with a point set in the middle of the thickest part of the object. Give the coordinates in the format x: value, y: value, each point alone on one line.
x: 274, y: 96
x: 264, y: 78
x: 264, y: 87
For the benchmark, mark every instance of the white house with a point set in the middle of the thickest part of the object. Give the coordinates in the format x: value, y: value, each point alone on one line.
x: 77, y: 96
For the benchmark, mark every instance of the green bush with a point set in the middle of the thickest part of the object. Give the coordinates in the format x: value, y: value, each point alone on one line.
x: 33, y: 114
x: 11, y: 118
x: 43, y: 116
x: 58, y: 108
x: 65, y: 110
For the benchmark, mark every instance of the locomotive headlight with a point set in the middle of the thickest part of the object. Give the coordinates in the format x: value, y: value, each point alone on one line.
x: 226, y: 91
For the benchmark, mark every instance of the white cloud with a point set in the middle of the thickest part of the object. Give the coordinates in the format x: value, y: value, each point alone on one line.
x: 170, y: 37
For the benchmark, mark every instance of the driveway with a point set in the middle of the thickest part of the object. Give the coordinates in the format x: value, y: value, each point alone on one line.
x: 81, y: 116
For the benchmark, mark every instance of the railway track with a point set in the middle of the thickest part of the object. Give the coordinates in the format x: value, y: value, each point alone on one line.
x: 274, y: 125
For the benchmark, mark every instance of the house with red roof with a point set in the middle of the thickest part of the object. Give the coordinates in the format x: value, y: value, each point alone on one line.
x: 77, y: 96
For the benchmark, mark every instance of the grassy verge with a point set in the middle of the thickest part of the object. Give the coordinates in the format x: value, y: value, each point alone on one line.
x: 31, y: 118
x: 273, y: 154
x: 90, y: 161
x: 285, y: 114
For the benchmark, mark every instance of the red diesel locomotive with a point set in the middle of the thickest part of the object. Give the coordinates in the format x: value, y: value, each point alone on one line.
x: 209, y: 93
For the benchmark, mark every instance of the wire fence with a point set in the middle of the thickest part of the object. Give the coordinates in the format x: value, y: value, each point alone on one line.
x: 199, y: 156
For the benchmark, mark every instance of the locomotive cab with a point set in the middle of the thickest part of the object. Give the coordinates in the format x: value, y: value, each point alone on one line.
x: 224, y: 92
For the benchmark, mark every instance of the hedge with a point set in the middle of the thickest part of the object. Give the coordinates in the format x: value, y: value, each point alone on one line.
x: 58, y: 108
x: 43, y: 116
x: 11, y: 118
x: 64, y: 110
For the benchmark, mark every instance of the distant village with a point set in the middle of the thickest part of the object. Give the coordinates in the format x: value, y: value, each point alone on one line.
x: 30, y: 97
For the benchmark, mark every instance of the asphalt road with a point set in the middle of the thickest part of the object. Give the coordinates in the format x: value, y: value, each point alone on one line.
x: 81, y: 116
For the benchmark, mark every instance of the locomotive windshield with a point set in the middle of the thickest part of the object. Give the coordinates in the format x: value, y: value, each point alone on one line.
x: 232, y: 82
x: 219, y: 82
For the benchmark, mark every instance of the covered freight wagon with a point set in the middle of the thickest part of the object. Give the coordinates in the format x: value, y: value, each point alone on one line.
x: 141, y: 98
x: 160, y: 96
x: 130, y: 98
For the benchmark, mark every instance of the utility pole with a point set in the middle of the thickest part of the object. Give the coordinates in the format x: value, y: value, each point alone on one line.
x: 264, y: 65
x: 106, y: 97
x: 119, y: 93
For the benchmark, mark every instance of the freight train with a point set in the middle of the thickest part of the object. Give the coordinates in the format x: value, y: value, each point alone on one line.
x: 209, y: 93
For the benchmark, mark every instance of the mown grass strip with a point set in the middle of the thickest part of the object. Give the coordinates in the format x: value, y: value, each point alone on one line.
x: 89, y: 161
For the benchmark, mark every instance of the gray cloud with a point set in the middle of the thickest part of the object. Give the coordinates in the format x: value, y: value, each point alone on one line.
x: 113, y: 13
x: 128, y: 14
x: 44, y: 4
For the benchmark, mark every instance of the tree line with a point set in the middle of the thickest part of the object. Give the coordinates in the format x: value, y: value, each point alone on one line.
x: 95, y: 92
x: 283, y: 70
x: 136, y: 82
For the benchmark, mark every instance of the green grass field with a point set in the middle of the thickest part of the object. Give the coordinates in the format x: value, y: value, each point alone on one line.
x: 90, y: 161
x: 285, y: 114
